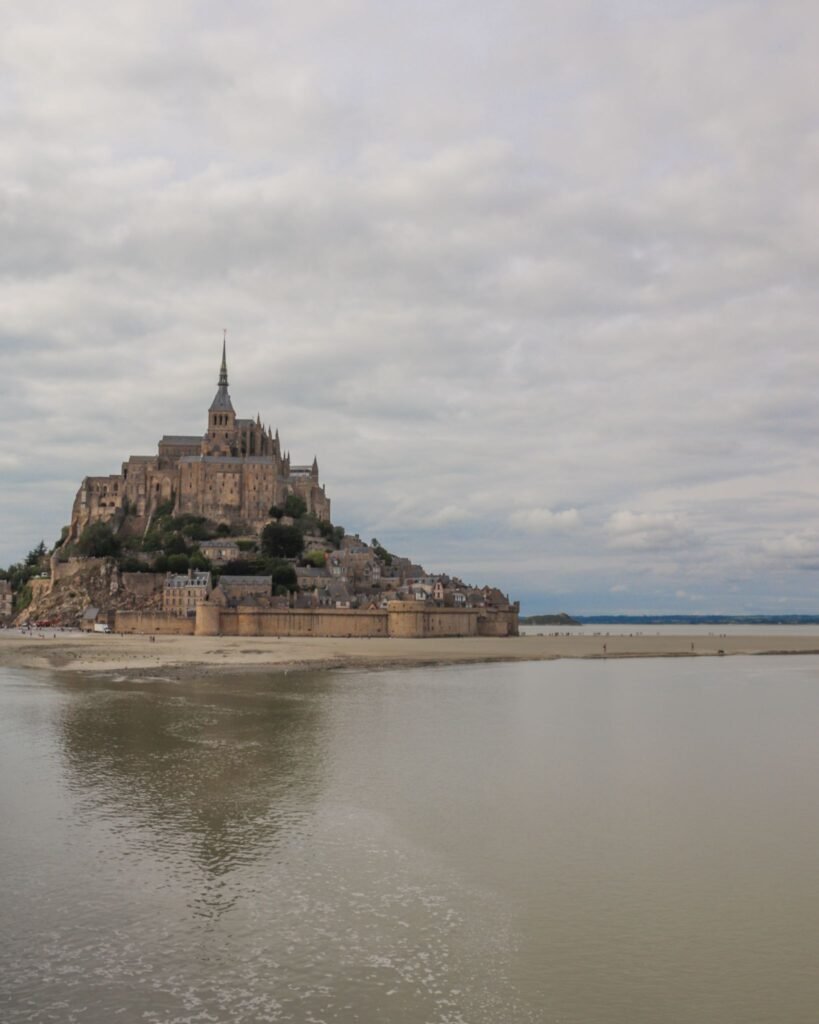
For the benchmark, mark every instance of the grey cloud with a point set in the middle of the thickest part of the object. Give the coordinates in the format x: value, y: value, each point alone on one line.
x: 561, y: 258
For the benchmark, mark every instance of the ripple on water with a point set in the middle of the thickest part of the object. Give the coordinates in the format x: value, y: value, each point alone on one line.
x: 348, y: 924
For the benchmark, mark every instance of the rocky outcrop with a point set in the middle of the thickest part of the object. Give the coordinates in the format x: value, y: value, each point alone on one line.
x: 80, y: 582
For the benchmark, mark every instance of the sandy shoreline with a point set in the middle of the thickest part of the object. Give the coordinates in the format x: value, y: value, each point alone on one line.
x: 85, y: 652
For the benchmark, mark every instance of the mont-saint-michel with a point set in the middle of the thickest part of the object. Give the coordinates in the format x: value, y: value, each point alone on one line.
x: 233, y: 475
x: 223, y: 534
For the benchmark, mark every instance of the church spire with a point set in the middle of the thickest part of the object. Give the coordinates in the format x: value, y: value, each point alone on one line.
x: 223, y: 380
x: 221, y: 403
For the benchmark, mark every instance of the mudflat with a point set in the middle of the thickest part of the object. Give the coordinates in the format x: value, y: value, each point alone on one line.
x: 93, y: 652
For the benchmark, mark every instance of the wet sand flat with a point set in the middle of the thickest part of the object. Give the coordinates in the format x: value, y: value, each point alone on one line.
x: 86, y: 652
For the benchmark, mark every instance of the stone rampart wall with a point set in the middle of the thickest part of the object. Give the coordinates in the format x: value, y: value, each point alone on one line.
x: 414, y: 619
x: 154, y: 622
x: 212, y: 620
x: 498, y: 623
x: 401, y: 619
x: 143, y: 584
x: 73, y: 567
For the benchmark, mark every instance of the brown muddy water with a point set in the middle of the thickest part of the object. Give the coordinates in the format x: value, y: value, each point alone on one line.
x: 616, y: 842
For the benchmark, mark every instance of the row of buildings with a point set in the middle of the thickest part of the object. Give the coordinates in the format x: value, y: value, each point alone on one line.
x: 355, y: 576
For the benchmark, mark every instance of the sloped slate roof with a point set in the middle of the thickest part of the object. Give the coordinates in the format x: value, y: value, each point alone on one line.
x: 245, y: 581
x: 198, y: 579
x: 180, y: 439
x: 221, y: 402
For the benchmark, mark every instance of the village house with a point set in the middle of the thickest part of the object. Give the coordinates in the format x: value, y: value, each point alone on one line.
x: 220, y: 551
x: 336, y: 567
x: 308, y: 577
x: 182, y: 592
x: 6, y: 600
x: 335, y: 595
x: 246, y: 589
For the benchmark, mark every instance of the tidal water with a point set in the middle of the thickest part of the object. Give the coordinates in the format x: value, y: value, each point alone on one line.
x: 598, y: 842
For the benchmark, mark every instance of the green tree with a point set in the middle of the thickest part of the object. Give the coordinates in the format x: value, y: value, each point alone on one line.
x: 284, y: 575
x: 282, y: 541
x: 152, y: 541
x: 36, y: 554
x: 245, y: 567
x: 295, y: 507
x: 98, y: 541
x: 198, y: 561
x: 22, y: 599
x: 316, y: 558
x: 18, y: 575
x: 175, y: 545
x: 163, y: 509
x: 178, y: 563
x: 131, y: 564
x: 334, y: 534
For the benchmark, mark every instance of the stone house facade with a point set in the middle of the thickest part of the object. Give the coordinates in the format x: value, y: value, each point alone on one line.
x: 181, y: 593
x: 220, y: 551
x: 6, y: 601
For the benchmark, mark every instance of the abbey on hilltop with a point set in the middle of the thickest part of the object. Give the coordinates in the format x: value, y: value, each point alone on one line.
x: 233, y: 474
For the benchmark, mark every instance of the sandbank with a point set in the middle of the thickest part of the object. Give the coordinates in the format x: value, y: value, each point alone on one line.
x: 90, y: 652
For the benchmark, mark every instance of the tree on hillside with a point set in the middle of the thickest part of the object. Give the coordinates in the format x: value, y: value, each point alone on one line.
x: 98, y: 541
x: 284, y: 576
x: 178, y: 563
x: 175, y: 545
x: 295, y: 507
x: 36, y: 554
x: 381, y: 551
x: 282, y: 541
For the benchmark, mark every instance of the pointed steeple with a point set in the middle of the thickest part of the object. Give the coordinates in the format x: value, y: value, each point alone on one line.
x: 222, y: 403
x: 223, y: 380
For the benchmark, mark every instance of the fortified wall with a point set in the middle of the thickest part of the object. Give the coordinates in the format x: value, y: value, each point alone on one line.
x: 399, y: 619
x: 154, y: 622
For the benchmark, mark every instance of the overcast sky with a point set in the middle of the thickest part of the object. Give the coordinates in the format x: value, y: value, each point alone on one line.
x: 535, y: 281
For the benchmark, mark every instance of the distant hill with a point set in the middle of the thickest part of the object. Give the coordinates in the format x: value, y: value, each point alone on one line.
x: 699, y: 620
x: 561, y: 619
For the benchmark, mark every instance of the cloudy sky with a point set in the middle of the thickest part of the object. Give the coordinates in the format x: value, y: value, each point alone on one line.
x: 536, y: 281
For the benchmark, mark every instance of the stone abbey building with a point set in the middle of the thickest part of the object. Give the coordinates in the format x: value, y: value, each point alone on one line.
x: 232, y: 474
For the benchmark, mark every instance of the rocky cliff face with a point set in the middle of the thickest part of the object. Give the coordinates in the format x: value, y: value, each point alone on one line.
x: 80, y: 582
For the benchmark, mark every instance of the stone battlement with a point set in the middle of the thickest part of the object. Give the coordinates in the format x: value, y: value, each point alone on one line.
x: 399, y: 619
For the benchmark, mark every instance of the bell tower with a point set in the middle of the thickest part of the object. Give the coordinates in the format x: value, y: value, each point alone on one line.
x: 221, y: 415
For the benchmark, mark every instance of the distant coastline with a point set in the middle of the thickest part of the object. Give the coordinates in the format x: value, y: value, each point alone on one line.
x: 688, y: 620
x: 561, y: 619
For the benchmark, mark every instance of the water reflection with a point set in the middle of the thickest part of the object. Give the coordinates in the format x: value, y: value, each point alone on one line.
x: 600, y: 842
x: 209, y: 776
